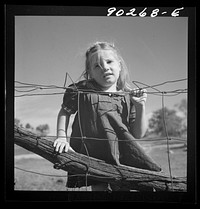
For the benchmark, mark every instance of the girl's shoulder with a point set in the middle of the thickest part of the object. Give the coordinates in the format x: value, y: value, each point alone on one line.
x: 80, y: 84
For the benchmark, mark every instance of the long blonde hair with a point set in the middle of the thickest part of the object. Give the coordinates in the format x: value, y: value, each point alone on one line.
x: 122, y: 83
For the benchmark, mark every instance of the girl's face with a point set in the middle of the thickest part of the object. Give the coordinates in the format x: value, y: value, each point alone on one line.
x: 105, y: 68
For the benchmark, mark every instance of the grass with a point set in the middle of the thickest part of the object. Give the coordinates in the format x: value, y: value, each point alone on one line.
x: 56, y: 180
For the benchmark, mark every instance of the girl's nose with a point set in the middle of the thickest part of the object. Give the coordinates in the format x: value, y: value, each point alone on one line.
x: 105, y: 67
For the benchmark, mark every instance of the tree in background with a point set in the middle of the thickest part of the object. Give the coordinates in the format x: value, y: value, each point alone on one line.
x: 182, y: 108
x: 29, y: 127
x: 42, y: 130
x: 18, y: 123
x: 172, y: 121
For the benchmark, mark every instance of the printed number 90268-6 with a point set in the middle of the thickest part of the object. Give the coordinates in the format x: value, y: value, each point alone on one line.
x: 143, y: 13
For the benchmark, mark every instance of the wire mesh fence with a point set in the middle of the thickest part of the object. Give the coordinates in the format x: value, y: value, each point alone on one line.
x: 29, y: 89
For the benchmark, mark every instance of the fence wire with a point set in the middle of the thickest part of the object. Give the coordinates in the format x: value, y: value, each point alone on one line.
x: 23, y: 89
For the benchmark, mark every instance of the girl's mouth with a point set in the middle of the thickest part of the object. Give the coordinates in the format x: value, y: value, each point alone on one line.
x: 107, y: 74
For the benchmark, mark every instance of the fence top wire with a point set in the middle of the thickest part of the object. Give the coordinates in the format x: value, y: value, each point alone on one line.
x: 27, y: 87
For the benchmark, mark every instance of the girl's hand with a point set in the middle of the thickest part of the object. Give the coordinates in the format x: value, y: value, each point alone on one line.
x: 138, y: 96
x: 61, y: 144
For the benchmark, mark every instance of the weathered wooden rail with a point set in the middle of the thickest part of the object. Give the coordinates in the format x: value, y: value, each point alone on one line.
x: 123, y: 176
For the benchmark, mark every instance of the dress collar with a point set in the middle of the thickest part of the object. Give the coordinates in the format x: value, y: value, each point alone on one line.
x: 92, y: 84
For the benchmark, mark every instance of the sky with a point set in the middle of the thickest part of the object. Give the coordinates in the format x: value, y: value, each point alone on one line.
x: 48, y: 47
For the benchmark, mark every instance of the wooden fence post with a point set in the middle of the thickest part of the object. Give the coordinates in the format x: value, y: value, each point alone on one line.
x: 122, y: 176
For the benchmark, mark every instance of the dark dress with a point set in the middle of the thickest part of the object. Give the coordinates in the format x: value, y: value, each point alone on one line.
x: 103, y: 119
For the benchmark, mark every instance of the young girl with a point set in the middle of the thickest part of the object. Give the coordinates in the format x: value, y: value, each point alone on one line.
x: 109, y: 115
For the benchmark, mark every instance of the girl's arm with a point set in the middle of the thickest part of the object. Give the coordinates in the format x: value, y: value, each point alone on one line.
x: 62, y: 143
x: 139, y: 126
